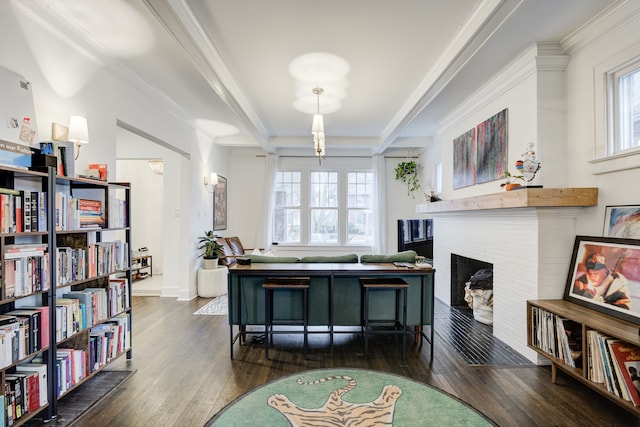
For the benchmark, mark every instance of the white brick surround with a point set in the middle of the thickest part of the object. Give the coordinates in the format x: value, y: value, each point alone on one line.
x: 530, y: 249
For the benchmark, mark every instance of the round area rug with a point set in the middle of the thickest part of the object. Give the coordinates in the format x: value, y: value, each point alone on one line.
x: 347, y: 397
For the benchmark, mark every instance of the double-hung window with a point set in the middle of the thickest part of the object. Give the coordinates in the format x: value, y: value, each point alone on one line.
x: 332, y: 206
x: 624, y: 109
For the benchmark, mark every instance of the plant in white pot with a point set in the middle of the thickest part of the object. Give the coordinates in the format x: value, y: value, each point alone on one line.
x: 211, y: 250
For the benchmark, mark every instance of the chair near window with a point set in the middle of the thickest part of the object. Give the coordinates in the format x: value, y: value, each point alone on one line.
x: 232, y: 248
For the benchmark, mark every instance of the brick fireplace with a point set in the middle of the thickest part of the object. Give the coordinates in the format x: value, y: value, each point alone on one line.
x: 529, y: 247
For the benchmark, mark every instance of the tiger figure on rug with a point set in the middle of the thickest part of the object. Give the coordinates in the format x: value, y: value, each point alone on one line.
x: 337, y: 412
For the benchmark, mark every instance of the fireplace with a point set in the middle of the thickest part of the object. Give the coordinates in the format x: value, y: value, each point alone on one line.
x: 462, y: 268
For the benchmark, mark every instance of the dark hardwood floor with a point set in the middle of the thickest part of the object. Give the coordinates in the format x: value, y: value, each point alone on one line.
x: 184, y: 375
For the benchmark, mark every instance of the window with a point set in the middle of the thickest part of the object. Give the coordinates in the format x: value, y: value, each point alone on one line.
x: 624, y: 109
x: 331, y: 206
x: 360, y: 208
x: 286, y: 213
x: 323, y: 207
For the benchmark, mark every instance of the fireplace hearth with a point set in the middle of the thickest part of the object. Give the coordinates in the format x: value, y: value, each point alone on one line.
x: 462, y: 268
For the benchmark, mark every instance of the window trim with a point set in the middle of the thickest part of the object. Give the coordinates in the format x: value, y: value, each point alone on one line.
x: 604, y: 161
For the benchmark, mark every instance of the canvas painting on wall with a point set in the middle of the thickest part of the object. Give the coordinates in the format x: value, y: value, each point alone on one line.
x: 491, y: 148
x: 464, y: 160
x: 220, y: 204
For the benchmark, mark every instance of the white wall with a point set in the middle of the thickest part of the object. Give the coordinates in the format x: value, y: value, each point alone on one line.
x: 67, y: 81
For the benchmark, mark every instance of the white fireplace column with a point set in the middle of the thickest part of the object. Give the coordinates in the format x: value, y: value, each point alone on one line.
x: 530, y: 249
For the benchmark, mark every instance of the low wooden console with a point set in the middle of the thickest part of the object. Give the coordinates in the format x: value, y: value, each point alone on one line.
x: 587, y: 320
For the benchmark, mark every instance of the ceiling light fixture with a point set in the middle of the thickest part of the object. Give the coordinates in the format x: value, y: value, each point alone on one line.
x: 317, y: 128
x: 157, y: 166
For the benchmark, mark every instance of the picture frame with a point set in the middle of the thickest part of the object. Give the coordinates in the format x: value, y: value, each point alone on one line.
x: 604, y: 275
x: 622, y: 221
x: 220, y: 204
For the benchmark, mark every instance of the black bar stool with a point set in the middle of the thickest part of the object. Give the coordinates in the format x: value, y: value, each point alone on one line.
x: 385, y: 283
x: 273, y: 284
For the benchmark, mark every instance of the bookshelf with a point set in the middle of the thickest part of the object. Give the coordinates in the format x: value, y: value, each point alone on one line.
x: 542, y: 314
x: 65, y: 289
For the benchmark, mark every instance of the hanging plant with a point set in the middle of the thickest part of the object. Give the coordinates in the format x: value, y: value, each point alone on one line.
x: 407, y: 172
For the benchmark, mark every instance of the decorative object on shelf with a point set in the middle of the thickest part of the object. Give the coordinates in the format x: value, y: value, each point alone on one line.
x: 509, y: 183
x: 157, y: 166
x: 529, y: 166
x: 604, y: 274
x: 210, y: 182
x: 211, y: 249
x: 317, y: 128
x: 408, y: 172
x: 220, y: 204
x: 18, y: 114
x: 622, y: 221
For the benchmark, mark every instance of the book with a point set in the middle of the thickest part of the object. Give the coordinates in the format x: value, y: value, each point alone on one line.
x: 44, y: 324
x: 627, y: 358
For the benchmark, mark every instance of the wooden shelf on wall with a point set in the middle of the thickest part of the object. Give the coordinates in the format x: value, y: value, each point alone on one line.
x: 523, y: 198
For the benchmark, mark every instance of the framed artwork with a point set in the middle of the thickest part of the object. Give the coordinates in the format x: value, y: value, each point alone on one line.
x: 464, y: 164
x: 622, y: 222
x: 220, y: 204
x: 491, y: 148
x: 605, y: 276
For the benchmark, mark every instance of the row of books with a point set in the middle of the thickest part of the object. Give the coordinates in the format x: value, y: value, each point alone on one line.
x: 73, y: 213
x: 25, y: 270
x: 117, y: 213
x: 557, y: 336
x: 71, y: 368
x: 25, y: 391
x: 614, y: 363
x: 22, y: 211
x: 118, y: 295
x: 79, y: 310
x: 99, y: 258
x: 108, y: 340
x: 23, y: 332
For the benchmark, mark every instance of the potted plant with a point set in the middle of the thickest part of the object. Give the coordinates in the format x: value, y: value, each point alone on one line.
x: 509, y: 183
x: 408, y: 172
x: 211, y: 249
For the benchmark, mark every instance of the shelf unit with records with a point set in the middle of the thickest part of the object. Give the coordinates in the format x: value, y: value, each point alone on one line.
x: 593, y: 347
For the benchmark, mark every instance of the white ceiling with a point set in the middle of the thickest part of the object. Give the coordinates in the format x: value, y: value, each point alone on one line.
x: 223, y: 64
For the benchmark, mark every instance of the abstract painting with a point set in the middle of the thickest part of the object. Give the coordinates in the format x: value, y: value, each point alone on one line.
x: 464, y: 156
x: 491, y: 148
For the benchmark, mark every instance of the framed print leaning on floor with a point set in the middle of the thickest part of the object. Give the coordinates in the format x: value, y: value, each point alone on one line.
x: 605, y: 276
x: 220, y: 204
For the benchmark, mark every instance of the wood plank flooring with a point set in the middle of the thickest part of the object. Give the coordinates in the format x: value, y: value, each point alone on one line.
x: 184, y: 375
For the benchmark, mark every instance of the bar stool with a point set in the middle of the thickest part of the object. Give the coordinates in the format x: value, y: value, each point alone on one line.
x: 273, y: 284
x: 388, y: 283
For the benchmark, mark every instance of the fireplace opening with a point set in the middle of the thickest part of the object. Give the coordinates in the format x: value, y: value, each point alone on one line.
x: 462, y: 268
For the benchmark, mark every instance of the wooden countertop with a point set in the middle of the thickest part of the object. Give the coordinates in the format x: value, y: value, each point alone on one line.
x: 523, y: 198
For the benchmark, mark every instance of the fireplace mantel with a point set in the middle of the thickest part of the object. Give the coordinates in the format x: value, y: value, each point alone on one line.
x: 522, y: 198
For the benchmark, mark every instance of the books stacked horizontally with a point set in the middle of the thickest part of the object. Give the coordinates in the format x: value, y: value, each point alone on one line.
x: 557, y: 336
x: 616, y: 364
x: 91, y: 215
x: 26, y: 269
x: 72, y: 213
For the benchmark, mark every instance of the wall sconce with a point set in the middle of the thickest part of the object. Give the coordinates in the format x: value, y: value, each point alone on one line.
x: 211, y: 182
x: 78, y: 132
x: 157, y: 166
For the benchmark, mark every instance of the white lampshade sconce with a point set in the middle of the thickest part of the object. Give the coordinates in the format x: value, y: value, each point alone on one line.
x: 210, y: 182
x: 78, y: 132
